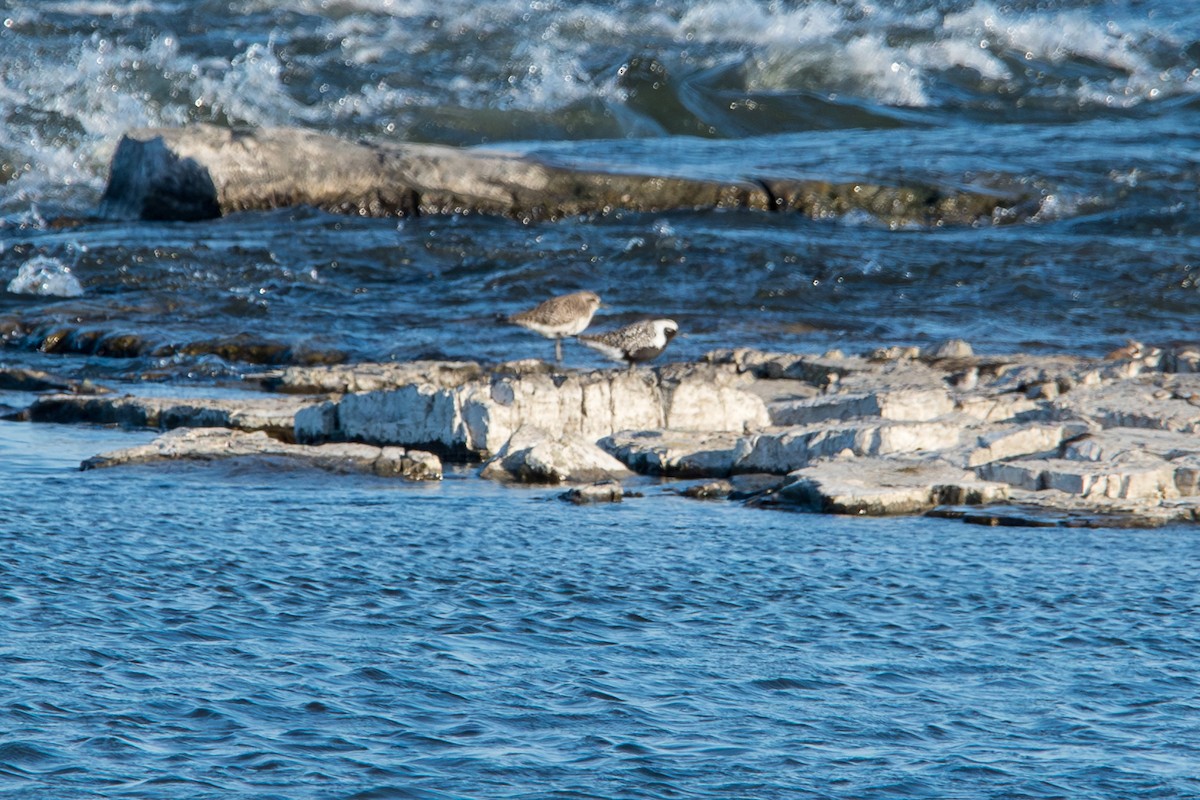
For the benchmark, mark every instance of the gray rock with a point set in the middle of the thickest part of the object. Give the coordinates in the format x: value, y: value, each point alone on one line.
x: 1015, y: 440
x: 1132, y: 403
x: 202, y: 171
x: 787, y: 449
x: 213, y: 444
x: 1143, y: 478
x: 882, y: 487
x: 883, y: 435
x: 951, y: 348
x: 1187, y: 475
x: 996, y: 408
x: 249, y: 413
x: 534, y: 456
x: 345, y: 378
x: 1122, y: 444
x: 601, y: 492
x: 903, y: 404
x: 680, y: 454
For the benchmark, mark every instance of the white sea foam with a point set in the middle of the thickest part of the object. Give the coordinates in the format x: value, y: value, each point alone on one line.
x: 106, y: 8
x: 66, y: 99
x: 47, y: 276
x: 1055, y: 37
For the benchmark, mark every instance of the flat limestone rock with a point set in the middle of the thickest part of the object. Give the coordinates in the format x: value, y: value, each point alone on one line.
x: 997, y: 408
x: 1134, y: 403
x: 1051, y: 508
x: 1122, y: 444
x: 898, y: 429
x: 212, y: 444
x: 1145, y: 477
x: 787, y: 449
x: 1011, y: 441
x: 885, y: 487
x: 263, y: 413
x: 534, y: 456
x: 678, y: 454
x: 903, y: 404
x: 370, y: 377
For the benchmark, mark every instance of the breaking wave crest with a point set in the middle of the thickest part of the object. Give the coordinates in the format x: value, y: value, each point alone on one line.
x: 80, y: 73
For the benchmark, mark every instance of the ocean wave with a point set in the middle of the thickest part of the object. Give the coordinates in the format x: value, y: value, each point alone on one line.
x: 81, y: 72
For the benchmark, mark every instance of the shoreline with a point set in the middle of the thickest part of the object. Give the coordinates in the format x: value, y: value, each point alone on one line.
x: 1019, y: 439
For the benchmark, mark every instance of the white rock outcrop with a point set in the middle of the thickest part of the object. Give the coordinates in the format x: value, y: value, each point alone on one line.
x: 532, y: 455
x: 479, y: 417
x: 897, y: 431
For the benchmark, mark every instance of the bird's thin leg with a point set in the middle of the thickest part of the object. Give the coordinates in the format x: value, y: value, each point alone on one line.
x: 558, y: 350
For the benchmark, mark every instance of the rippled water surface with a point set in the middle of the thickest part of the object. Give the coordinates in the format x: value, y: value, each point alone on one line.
x: 1091, y: 112
x: 225, y: 632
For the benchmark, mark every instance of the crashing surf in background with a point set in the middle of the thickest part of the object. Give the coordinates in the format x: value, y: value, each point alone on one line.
x: 78, y: 74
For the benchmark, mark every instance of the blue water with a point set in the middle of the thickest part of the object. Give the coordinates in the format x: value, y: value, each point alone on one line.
x: 216, y: 632
x: 1089, y: 111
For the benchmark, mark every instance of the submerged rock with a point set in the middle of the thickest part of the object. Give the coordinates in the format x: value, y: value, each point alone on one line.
x: 213, y: 444
x: 600, y: 492
x: 14, y: 379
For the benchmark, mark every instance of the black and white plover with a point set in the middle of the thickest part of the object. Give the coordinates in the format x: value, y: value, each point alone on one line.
x: 640, y: 341
x: 559, y: 317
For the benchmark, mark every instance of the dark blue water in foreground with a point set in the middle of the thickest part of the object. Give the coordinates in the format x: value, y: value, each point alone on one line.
x: 216, y: 632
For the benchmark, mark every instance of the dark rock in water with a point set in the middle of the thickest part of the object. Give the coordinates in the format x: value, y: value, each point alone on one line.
x: 203, y: 172
x: 35, y: 380
x: 1035, y: 516
x: 711, y: 490
x: 600, y: 492
x: 241, y: 348
x: 894, y: 205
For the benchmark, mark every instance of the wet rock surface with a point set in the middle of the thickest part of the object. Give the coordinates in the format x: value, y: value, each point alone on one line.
x: 214, y: 444
x: 202, y: 172
x: 899, y: 431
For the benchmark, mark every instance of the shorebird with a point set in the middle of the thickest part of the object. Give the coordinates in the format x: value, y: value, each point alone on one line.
x: 559, y: 317
x: 640, y: 341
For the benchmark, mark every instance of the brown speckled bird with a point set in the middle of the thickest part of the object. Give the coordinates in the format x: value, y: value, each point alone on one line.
x: 559, y: 317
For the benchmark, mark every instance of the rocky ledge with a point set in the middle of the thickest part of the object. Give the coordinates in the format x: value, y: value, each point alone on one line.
x: 1062, y: 440
x: 203, y: 171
